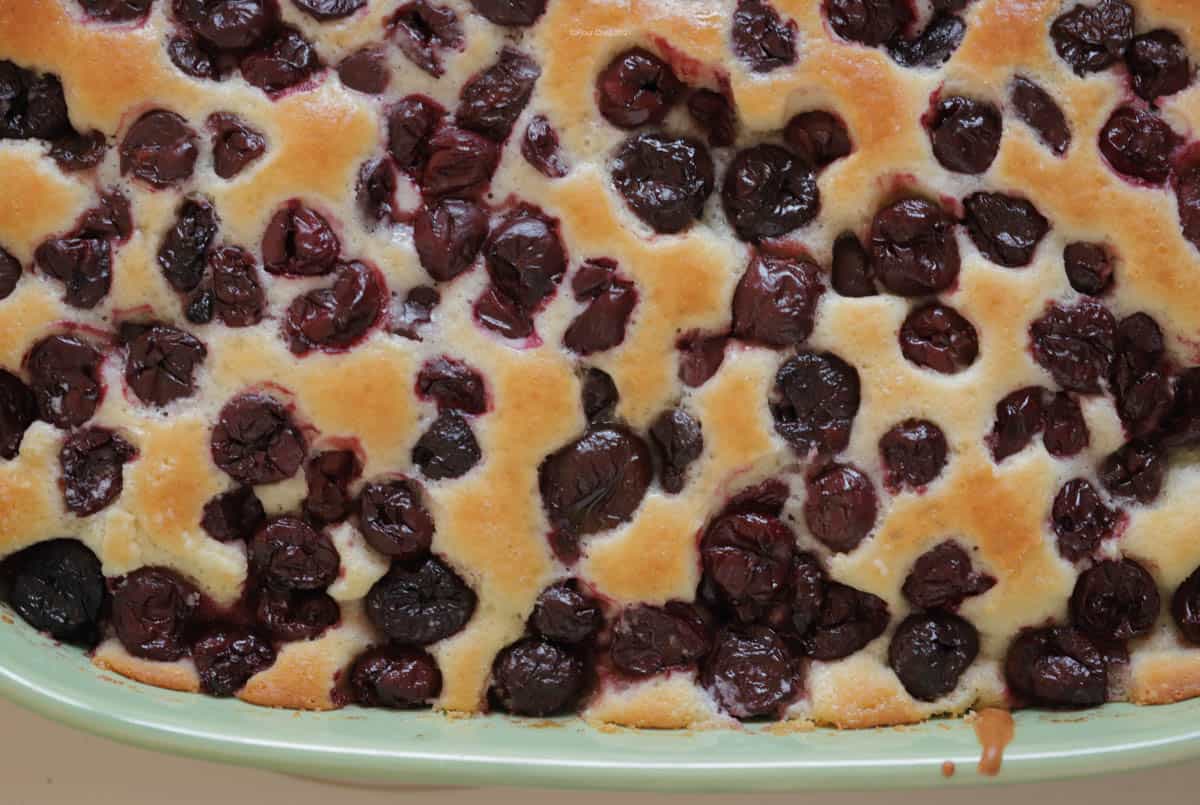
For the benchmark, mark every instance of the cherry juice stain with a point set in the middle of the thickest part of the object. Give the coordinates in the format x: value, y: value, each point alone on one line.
x: 994, y: 729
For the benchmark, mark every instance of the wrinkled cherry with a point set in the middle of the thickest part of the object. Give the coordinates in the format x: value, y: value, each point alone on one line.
x: 161, y: 363
x: 448, y: 449
x: 336, y: 317
x: 411, y: 122
x: 534, y: 677
x: 415, y: 312
x: 1041, y: 113
x: 1089, y: 267
x: 394, y: 520
x: 78, y: 152
x: 965, y: 134
x: 649, y: 639
x: 1081, y: 519
x: 933, y: 47
x: 664, y: 180
x: 399, y: 677
x: 452, y: 384
x: 1090, y: 38
x: 234, y: 515
x: 601, y: 325
x: 869, y: 22
x: 776, y: 300
x: 1138, y: 378
x: 83, y: 265
x: 227, y: 24
x: 159, y: 148
x: 448, y: 235
x: 283, y: 61
x: 376, y: 191
x: 235, y: 145
x: 1181, y: 426
x: 1158, y: 62
x: 289, y: 554
x: 64, y: 374
x: 58, y: 588
x: 299, y: 241
x: 700, y: 356
x: 325, y: 10
x: 1114, y: 601
x: 116, y: 10
x: 185, y: 247
x: 1075, y: 344
x: 596, y: 482
x: 256, y: 441
x: 1056, y: 666
x: 293, y: 616
x: 420, y: 604
x: 636, y: 89
x: 750, y: 672
x: 18, y: 410
x: 761, y: 38
x: 942, y: 577
x: 564, y: 614
x: 1185, y: 607
x: 678, y: 440
x: 819, y: 398
x: 194, y: 57
x: 818, y: 137
x: 152, y: 610
x: 1066, y: 431
x: 714, y: 114
x: 913, y: 248
x: 238, y: 299
x: 491, y: 102
x: 598, y: 395
x: 1135, y: 471
x: 510, y: 13
x: 460, y: 163
x: 841, y: 507
x: 227, y: 656
x: 848, y: 620
x: 422, y: 30
x: 1006, y: 229
x: 930, y: 651
x: 768, y: 192
x: 748, y: 561
x: 525, y: 256
x: 32, y: 105
x: 851, y: 274
x: 808, y: 585
x: 541, y: 149
x: 1138, y: 144
x: 365, y: 70
x: 937, y: 337
x: 495, y: 310
x: 327, y: 477
x: 914, y: 453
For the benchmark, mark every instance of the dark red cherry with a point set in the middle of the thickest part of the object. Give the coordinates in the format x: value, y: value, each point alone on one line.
x: 1185, y: 607
x: 496, y: 311
x: 664, y: 180
x: 933, y: 47
x: 18, y: 410
x: 64, y: 373
x: 256, y: 441
x: 601, y: 325
x: 415, y: 312
x: 848, y: 620
x: 1056, y: 666
x: 1135, y: 471
x: 116, y: 10
x: 851, y: 274
x: 714, y: 114
x: 292, y: 616
x: 235, y: 145
x: 869, y: 22
x: 238, y: 297
x: 10, y: 273
x: 185, y: 246
x: 153, y: 609
x: 525, y: 256
x: 234, y: 515
x: 808, y: 584
x: 460, y: 163
x: 83, y: 265
x: 1159, y: 64
x: 420, y: 604
x: 1138, y: 144
x: 1081, y: 519
x: 92, y: 474
x: 324, y: 10
x: 394, y: 520
x: 914, y: 453
x: 636, y: 89
x: 598, y: 395
x: 328, y: 476
x: 748, y: 561
x: 1041, y: 113
x: 942, y: 578
x: 194, y: 57
x: 411, y: 122
x: 649, y: 639
x: 58, y: 588
x: 819, y: 398
x: 161, y: 363
x: 32, y: 105
x: 376, y: 192
x: 365, y: 70
x: 1090, y: 38
x: 448, y: 235
x: 491, y: 101
x: 700, y: 356
x: 1089, y: 267
x: 422, y: 30
x: 299, y: 241
x: 751, y: 672
x: 1114, y: 601
x: 1006, y: 229
x: 448, y: 449
x: 761, y: 38
x: 776, y: 301
x: 597, y: 482
x: 1181, y: 426
x: 110, y: 218
x: 510, y: 13
x: 159, y: 148
x: 768, y: 193
x: 564, y: 614
x: 336, y: 317
x: 937, y: 337
x: 227, y: 656
x: 930, y: 651
x: 535, y: 677
x: 289, y: 554
x: 678, y: 441
x: 78, y: 152
x: 818, y: 137
x: 1075, y: 344
x: 841, y: 507
x: 541, y: 149
x: 452, y: 384
x: 1066, y: 431
x: 227, y: 24
x: 913, y: 248
x: 399, y: 677
x: 281, y: 62
x: 965, y: 134
x: 1139, y: 379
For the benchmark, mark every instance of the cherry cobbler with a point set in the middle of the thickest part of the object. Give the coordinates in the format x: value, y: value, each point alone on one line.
x: 668, y: 362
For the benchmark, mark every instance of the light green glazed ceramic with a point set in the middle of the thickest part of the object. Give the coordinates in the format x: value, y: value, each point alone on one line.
x: 382, y: 748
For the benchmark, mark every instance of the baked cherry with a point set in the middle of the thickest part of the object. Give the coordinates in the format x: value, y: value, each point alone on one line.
x: 598, y: 395
x: 64, y: 373
x: 510, y: 13
x: 1185, y: 607
x: 851, y: 274
x: 411, y: 122
x: 153, y: 609
x: 914, y: 453
x: 79, y: 152
x: 678, y: 440
x: 18, y: 410
x: 448, y: 234
x: 1075, y: 344
x: 714, y: 114
x: 636, y: 89
x: 393, y: 519
x: 1089, y: 267
x: 227, y: 656
x: 256, y: 441
x: 565, y: 614
x: 227, y: 24
x: 324, y: 10
x: 776, y: 301
x: 768, y: 192
x: 1181, y: 426
x: 1159, y: 64
x: 933, y: 47
x: 415, y: 312
x: 238, y: 298
x: 601, y: 325
x: 491, y: 101
x: 535, y: 677
x: 596, y: 482
x: 116, y: 10
x: 400, y: 677
x: 235, y: 145
x: 1135, y: 471
x: 159, y: 148
x: 942, y: 578
x: 83, y: 265
x: 194, y: 57
x: 1006, y: 229
x: 1114, y: 601
x: 1090, y: 38
x: 110, y: 218
x: 185, y: 247
x: 365, y: 70
x: 448, y: 449
x: 751, y: 672
x: 1138, y: 144
x: 761, y: 38
x: 460, y: 163
x: 1056, y: 666
x: 525, y: 256
x: 818, y: 137
x: 452, y: 384
x: 422, y: 30
x: 1081, y: 519
x: 376, y: 191
x: 497, y: 311
x: 1041, y: 113
x: 649, y: 639
x: 299, y: 241
x: 1066, y: 431
x: 818, y: 400
x: 841, y: 507
x: 234, y: 515
x: 965, y: 134
x: 1139, y: 378
x: 930, y: 651
x: 161, y: 362
x: 291, y: 616
x: 748, y: 562
x: 913, y: 248
x: 664, y: 180
x: 284, y: 60
x: 808, y: 584
x: 33, y: 104
x: 868, y: 22
x: 937, y: 337
x: 289, y: 554
x: 58, y: 588
x: 420, y: 604
x: 336, y: 317
x: 848, y: 620
x: 541, y: 149
x: 10, y: 273
x: 700, y: 356
x: 327, y: 477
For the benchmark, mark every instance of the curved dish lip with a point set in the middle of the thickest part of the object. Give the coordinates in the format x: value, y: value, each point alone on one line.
x: 424, y: 748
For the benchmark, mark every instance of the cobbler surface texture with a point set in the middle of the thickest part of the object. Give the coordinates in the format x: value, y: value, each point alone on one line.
x: 670, y: 362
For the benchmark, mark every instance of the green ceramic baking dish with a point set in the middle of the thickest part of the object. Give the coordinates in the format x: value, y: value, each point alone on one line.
x: 389, y: 748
